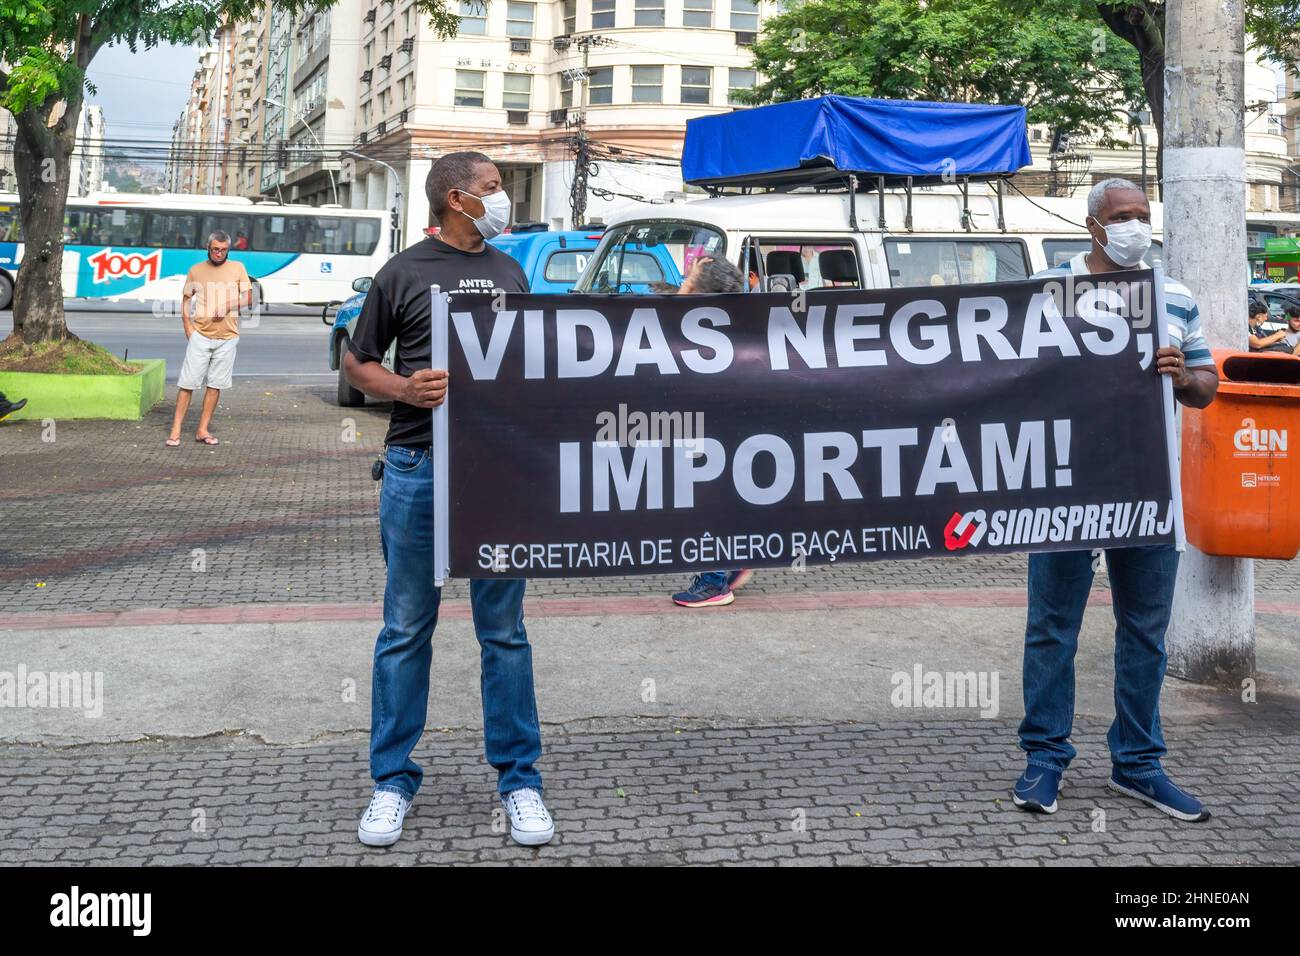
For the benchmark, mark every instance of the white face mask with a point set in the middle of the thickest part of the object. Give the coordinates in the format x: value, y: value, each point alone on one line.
x: 1127, y: 242
x: 496, y: 213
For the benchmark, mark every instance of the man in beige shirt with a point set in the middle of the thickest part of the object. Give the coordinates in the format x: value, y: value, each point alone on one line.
x: 214, y: 293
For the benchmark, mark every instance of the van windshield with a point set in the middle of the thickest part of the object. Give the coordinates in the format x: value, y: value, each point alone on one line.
x: 636, y: 255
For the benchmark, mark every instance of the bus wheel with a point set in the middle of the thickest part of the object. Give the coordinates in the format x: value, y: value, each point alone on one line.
x: 349, y: 397
x: 6, y: 291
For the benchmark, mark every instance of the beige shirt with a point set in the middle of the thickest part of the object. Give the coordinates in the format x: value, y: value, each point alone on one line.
x: 216, y: 292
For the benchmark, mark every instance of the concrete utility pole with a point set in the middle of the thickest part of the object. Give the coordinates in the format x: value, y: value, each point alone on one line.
x: 1212, y: 635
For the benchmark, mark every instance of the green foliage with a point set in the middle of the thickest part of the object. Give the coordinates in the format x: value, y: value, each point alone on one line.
x: 1048, y: 58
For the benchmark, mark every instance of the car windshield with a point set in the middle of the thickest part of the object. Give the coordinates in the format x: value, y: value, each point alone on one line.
x: 636, y: 254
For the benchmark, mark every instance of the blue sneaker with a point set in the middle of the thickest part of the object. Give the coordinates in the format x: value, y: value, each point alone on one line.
x: 1036, y: 790
x: 1161, y: 793
x: 704, y: 592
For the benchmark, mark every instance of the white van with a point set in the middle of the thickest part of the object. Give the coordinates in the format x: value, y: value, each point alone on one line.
x: 819, y: 240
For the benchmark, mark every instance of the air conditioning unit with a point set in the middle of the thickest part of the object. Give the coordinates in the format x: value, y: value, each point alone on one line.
x: 386, y: 61
x: 517, y: 117
x: 745, y: 37
x: 365, y: 77
x: 361, y: 137
x: 559, y: 117
x: 520, y: 45
x: 560, y: 44
x: 382, y: 128
x: 402, y: 117
x: 370, y: 16
x: 407, y: 45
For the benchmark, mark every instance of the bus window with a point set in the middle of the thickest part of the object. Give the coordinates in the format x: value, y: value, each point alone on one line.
x: 173, y: 230
x: 275, y: 233
x: 1058, y: 252
x: 920, y: 262
x: 337, y: 235
x: 365, y: 236
x: 10, y: 229
x: 237, y: 226
x: 110, y: 227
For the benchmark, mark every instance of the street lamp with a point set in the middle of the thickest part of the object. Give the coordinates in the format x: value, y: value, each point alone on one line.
x: 298, y: 116
x: 397, y: 194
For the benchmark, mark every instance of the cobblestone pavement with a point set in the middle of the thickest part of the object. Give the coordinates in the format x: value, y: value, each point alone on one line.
x: 106, y: 517
x: 651, y: 792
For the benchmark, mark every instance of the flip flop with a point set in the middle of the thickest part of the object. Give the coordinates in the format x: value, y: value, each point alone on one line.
x: 172, y: 442
x: 209, y: 440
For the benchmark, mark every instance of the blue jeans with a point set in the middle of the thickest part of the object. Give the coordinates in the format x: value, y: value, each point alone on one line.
x: 403, y: 653
x: 1142, y: 592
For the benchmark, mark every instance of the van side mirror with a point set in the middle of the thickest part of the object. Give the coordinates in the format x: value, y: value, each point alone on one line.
x: 362, y: 284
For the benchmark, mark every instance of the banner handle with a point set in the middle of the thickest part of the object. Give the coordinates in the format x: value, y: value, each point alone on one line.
x: 1170, y: 410
x: 439, y: 318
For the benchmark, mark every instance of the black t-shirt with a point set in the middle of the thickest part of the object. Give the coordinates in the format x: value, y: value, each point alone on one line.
x: 398, y: 306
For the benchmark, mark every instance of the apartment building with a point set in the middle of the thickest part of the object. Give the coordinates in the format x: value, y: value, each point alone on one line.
x: 513, y: 81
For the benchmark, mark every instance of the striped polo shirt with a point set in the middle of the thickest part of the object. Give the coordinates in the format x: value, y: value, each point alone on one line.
x: 1181, y: 314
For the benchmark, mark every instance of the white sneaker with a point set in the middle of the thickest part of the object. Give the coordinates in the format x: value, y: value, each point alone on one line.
x: 530, y: 824
x: 381, y: 824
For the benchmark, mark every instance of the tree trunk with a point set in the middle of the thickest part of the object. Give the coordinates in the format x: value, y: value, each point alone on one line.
x: 42, y: 160
x: 1143, y: 26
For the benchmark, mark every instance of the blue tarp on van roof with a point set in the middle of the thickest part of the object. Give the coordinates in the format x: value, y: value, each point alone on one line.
x: 791, y: 142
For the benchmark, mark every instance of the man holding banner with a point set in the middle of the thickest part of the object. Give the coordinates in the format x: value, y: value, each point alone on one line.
x: 1141, y: 577
x: 466, y: 197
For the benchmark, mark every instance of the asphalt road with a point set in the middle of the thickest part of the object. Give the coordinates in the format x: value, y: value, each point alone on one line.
x: 288, y: 343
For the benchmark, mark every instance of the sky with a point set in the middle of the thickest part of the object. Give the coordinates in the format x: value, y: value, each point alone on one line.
x: 142, y: 93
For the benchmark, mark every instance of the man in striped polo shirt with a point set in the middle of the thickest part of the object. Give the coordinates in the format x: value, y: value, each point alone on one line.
x: 1141, y: 578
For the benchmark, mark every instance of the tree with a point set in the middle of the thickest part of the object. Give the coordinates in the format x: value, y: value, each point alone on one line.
x: 46, y: 47
x: 1272, y: 30
x: 1046, y: 58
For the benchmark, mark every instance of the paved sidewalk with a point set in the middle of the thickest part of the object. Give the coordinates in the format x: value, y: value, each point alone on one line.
x: 227, y: 599
x: 671, y: 793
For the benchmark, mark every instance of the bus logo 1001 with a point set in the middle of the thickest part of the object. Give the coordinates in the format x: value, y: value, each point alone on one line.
x: 108, y: 264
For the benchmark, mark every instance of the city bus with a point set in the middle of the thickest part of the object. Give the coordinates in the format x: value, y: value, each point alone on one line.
x: 134, y: 246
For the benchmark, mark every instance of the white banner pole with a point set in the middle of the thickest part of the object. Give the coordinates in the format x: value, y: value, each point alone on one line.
x: 440, y: 451
x: 1167, y: 397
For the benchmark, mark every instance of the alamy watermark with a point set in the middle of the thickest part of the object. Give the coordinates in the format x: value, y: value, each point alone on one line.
x: 946, y: 690
x: 80, y: 690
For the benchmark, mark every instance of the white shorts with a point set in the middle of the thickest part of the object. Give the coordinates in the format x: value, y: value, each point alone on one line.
x: 208, y: 362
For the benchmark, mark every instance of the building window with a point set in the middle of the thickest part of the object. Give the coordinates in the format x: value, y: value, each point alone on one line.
x: 566, y: 90
x: 600, y: 86
x: 518, y: 91
x: 519, y: 19
x: 570, y: 16
x: 602, y: 13
x: 469, y: 88
x: 647, y: 84
x: 473, y: 18
x: 649, y: 13
x: 697, y: 83
x: 739, y: 80
x: 744, y: 15
x: 697, y: 13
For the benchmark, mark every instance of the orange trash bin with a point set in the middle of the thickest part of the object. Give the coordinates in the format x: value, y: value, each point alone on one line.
x: 1241, y: 459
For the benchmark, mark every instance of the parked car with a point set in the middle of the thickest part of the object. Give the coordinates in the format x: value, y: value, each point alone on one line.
x: 552, y: 261
x: 1278, y: 299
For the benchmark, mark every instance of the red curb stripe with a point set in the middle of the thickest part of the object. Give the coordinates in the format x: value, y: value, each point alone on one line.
x: 559, y: 607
